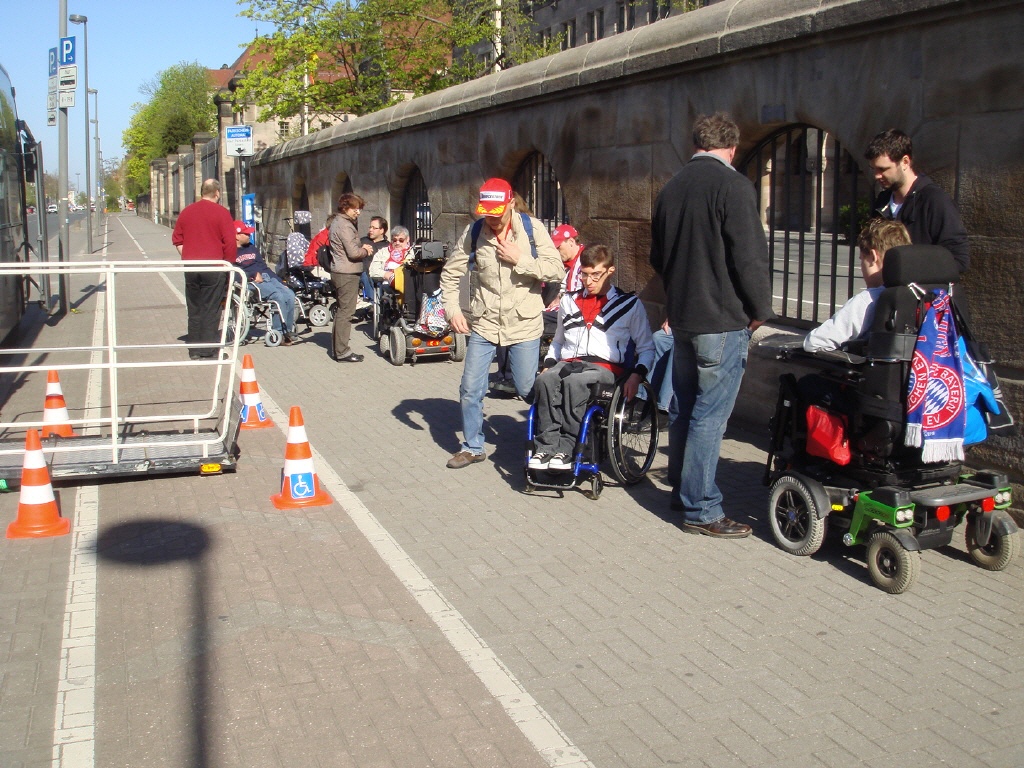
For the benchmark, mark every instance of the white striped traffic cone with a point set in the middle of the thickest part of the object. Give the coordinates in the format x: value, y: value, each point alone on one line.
x: 55, y: 410
x: 300, y: 487
x: 38, y: 515
x: 254, y: 415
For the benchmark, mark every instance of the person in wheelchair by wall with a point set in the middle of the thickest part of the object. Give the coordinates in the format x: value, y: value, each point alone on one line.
x: 852, y: 321
x: 266, y: 282
x: 598, y: 327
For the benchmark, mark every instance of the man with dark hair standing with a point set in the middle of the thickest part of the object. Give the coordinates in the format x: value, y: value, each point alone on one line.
x: 205, y: 230
x: 913, y: 199
x: 709, y: 247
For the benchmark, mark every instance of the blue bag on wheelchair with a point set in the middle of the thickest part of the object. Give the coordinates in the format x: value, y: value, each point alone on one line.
x: 432, y: 319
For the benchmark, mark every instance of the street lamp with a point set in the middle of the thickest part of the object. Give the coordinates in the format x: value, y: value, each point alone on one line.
x: 100, y: 194
x: 75, y: 18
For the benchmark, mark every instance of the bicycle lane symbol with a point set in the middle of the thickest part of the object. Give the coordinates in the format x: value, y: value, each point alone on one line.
x: 302, y: 485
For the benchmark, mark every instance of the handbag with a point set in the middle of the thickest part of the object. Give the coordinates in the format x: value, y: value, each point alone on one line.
x: 826, y: 435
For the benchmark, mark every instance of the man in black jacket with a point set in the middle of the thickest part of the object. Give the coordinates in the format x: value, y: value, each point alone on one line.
x: 913, y: 199
x: 709, y: 247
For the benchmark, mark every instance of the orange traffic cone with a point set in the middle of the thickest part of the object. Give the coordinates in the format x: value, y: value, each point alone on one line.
x: 38, y: 515
x: 254, y: 415
x: 300, y: 486
x: 55, y: 410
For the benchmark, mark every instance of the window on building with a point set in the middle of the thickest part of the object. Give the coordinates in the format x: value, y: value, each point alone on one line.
x: 536, y: 182
x: 626, y: 16
x: 569, y: 34
x: 659, y: 9
x: 416, y: 213
x: 595, y: 25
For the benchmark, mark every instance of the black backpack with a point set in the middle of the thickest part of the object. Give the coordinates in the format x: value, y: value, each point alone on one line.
x: 323, y: 257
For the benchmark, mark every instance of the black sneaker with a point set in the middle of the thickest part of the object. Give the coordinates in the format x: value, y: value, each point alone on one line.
x: 560, y: 462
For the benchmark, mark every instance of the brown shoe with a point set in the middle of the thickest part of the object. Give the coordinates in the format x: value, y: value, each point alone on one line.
x: 464, y: 459
x: 722, y: 529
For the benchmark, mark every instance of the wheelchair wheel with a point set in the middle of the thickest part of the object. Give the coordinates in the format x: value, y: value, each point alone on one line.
x: 396, y: 345
x: 459, y: 350
x: 631, y: 434
x: 893, y: 568
x: 375, y: 329
x: 237, y: 316
x: 273, y: 338
x: 596, y: 486
x: 794, y: 517
x: 319, y: 315
x: 1000, y: 550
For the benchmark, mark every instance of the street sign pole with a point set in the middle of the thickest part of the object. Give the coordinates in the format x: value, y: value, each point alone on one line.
x: 62, y: 174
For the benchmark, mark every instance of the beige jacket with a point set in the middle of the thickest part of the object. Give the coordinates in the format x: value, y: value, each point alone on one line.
x: 347, y: 252
x: 505, y: 302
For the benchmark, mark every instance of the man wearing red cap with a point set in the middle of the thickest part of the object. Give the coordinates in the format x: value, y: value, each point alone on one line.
x: 511, y: 255
x: 566, y: 240
x: 269, y: 285
x: 205, y: 230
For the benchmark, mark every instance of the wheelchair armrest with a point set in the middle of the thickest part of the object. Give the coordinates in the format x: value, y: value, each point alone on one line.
x: 796, y: 351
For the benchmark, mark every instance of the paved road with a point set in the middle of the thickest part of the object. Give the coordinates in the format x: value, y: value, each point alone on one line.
x: 433, y: 617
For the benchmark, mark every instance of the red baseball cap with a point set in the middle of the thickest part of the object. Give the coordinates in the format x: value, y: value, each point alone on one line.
x: 495, y: 195
x: 563, y: 233
x: 243, y: 229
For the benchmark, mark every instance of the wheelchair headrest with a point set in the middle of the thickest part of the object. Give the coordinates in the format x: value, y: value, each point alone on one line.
x: 432, y: 251
x: 922, y: 264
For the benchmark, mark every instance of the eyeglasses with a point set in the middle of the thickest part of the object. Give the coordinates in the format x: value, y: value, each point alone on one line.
x: 588, y: 276
x: 399, y: 239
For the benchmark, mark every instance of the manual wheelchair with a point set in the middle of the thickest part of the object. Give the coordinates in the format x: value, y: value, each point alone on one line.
x: 873, y: 487
x: 247, y: 310
x: 625, y: 433
x: 397, y: 322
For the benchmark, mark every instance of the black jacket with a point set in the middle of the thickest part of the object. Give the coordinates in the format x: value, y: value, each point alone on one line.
x: 930, y: 217
x: 709, y: 247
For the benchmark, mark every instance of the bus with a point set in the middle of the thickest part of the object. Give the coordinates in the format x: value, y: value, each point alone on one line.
x: 19, y: 161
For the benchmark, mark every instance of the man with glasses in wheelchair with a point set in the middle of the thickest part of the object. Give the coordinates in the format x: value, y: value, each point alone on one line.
x: 600, y: 329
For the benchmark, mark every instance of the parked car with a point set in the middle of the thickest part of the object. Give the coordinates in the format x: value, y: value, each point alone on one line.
x: 52, y: 208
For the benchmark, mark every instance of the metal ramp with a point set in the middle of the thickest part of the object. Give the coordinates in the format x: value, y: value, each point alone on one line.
x: 143, y: 407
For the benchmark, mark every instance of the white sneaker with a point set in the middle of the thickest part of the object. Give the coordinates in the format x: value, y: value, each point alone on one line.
x: 560, y: 462
x: 363, y: 304
x: 539, y: 461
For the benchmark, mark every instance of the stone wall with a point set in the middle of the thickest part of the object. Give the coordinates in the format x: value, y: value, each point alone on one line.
x: 613, y: 118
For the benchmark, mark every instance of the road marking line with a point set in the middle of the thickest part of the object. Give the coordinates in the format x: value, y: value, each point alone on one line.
x: 74, y: 720
x: 532, y: 720
x: 163, y: 275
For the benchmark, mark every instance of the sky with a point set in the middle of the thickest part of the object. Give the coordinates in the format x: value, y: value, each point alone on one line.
x: 129, y: 44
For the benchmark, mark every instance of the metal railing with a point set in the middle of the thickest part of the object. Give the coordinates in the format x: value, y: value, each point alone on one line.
x: 105, y: 426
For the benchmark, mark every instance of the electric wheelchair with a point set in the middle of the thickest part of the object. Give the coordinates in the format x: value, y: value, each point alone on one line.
x: 625, y: 433
x: 408, y: 324
x: 873, y: 488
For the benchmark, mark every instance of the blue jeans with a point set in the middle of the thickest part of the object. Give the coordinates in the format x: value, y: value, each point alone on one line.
x: 661, y: 375
x: 707, y: 372
x: 366, y: 284
x: 524, y: 359
x: 272, y: 289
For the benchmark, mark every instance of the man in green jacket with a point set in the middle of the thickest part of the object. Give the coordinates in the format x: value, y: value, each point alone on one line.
x: 509, y: 256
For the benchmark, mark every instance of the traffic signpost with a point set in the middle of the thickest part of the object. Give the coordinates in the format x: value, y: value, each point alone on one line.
x: 238, y: 141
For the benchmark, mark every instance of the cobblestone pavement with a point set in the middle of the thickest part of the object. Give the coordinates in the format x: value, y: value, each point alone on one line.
x: 432, y: 617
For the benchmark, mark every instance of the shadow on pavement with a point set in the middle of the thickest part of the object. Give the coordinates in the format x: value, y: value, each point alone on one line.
x: 153, y: 543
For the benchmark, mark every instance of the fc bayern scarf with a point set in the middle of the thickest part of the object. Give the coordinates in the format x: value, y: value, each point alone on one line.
x: 936, y: 412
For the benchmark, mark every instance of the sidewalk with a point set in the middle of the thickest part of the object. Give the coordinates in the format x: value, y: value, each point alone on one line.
x: 392, y: 627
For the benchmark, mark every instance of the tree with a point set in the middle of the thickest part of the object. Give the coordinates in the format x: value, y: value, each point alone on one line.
x: 338, y: 58
x: 180, y: 105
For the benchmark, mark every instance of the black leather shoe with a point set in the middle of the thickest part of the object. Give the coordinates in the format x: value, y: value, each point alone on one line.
x: 722, y: 529
x: 351, y: 357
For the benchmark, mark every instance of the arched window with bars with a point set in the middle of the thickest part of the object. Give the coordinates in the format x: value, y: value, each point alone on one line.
x: 813, y: 200
x: 415, y: 213
x: 535, y: 180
